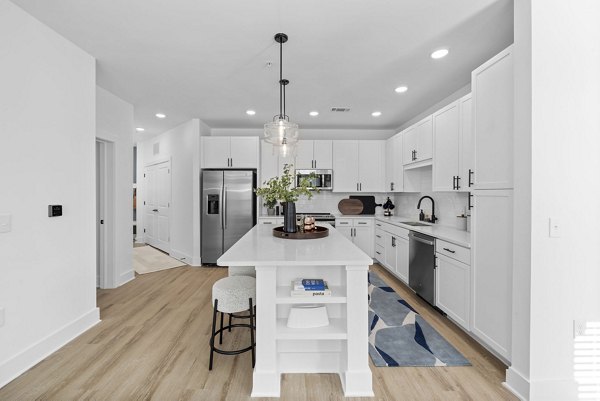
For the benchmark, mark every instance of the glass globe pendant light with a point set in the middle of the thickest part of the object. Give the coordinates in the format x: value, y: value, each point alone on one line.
x: 280, y: 132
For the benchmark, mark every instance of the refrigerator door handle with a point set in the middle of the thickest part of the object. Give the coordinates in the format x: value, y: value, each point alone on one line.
x: 222, y: 211
x: 225, y: 206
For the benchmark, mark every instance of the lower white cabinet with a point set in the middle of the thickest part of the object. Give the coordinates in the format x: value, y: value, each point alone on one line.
x: 358, y: 230
x: 492, y: 234
x: 402, y: 258
x: 271, y: 220
x: 453, y: 289
x: 391, y: 249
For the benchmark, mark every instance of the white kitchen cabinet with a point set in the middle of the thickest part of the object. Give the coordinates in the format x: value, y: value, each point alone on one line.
x: 394, y: 169
x: 358, y: 166
x: 230, y: 152
x: 359, y: 230
x: 392, y: 243
x: 271, y: 220
x: 314, y: 154
x: 269, y: 162
x: 446, y: 141
x: 453, y: 281
x: 493, y: 103
x: 465, y: 155
x: 389, y: 250
x: 418, y: 142
x: 491, y: 229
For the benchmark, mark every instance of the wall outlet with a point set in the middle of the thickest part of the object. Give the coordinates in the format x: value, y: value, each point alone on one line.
x: 1, y: 317
x: 555, y: 227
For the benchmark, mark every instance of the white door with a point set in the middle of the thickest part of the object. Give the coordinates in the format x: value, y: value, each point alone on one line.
x: 466, y: 143
x: 402, y: 258
x: 424, y: 139
x: 100, y: 227
x: 323, y: 154
x: 446, y: 130
x: 409, y: 145
x: 345, y: 166
x: 243, y: 152
x: 215, y: 152
x: 158, y: 197
x: 493, y: 122
x: 492, y: 238
x: 305, y: 155
x: 371, y: 160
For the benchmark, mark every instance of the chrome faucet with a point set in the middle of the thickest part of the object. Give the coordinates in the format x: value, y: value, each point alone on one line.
x: 433, y: 218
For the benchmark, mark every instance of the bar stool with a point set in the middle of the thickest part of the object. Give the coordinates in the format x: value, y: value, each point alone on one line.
x: 233, y: 295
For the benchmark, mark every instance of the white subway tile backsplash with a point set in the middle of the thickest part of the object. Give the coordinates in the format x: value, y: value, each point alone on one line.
x: 448, y: 205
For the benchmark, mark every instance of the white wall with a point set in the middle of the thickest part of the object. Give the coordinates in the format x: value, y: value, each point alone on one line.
x: 47, y: 265
x: 310, y: 133
x: 114, y: 123
x: 564, y: 88
x: 181, y: 145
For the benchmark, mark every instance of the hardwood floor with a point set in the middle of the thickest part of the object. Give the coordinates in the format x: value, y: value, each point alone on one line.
x: 152, y: 343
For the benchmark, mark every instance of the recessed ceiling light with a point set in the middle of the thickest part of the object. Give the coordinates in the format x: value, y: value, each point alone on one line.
x: 250, y: 112
x: 439, y: 53
x: 376, y: 113
x: 140, y: 129
x: 160, y: 115
x: 401, y: 89
x: 313, y: 113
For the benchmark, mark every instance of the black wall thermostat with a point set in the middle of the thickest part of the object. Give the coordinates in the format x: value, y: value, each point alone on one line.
x: 54, y: 210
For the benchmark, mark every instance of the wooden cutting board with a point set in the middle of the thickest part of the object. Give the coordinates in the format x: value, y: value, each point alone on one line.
x: 350, y: 206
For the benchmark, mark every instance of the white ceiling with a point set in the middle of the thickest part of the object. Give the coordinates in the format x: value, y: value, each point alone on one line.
x: 207, y: 58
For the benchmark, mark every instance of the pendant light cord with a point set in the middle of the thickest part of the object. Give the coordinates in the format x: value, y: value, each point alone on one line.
x: 281, y: 86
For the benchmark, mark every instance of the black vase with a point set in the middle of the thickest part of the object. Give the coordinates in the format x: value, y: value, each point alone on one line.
x: 289, y: 217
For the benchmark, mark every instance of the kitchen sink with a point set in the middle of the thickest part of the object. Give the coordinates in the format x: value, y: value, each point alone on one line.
x: 415, y: 223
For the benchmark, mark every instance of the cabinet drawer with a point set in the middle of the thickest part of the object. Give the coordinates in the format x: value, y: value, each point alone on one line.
x: 343, y: 222
x: 270, y: 220
x: 363, y: 222
x: 378, y: 237
x: 379, y: 253
x: 453, y: 251
x: 399, y: 231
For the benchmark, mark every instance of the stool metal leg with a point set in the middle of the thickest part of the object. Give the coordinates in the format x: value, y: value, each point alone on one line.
x: 230, y: 322
x: 212, y: 337
x: 252, y: 332
x: 221, y: 333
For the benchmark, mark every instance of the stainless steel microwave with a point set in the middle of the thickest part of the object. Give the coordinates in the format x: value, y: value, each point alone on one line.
x: 322, y: 179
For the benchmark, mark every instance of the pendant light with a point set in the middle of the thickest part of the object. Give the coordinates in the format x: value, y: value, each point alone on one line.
x: 281, y: 132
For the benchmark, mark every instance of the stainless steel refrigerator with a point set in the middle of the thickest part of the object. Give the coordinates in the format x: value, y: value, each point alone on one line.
x: 228, y: 210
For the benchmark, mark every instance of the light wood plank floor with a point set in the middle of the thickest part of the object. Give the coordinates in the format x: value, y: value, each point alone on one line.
x: 152, y: 343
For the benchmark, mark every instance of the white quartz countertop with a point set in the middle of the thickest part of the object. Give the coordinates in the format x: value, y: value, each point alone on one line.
x: 449, y: 234
x: 260, y: 248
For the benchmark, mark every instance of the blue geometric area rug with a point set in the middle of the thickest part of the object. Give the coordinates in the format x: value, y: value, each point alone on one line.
x: 398, y: 335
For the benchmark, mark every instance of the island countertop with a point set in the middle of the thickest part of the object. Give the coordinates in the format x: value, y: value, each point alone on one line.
x: 260, y: 247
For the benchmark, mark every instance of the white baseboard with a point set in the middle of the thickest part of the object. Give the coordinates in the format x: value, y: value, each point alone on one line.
x: 517, y: 384
x: 126, y: 277
x: 184, y: 257
x: 20, y: 363
x: 140, y: 239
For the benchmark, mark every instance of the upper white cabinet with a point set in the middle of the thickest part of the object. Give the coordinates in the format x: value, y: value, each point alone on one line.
x: 394, y: 170
x: 452, y: 146
x: 493, y: 104
x: 418, y: 142
x: 358, y: 166
x: 230, y: 152
x: 314, y: 154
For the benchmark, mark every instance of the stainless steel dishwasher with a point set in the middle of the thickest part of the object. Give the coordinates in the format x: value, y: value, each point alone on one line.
x: 421, y: 265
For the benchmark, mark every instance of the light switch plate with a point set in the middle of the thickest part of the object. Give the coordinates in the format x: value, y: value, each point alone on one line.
x: 5, y: 225
x: 555, y: 227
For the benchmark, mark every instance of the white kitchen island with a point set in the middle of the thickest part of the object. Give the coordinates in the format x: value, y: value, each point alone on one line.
x: 341, y: 347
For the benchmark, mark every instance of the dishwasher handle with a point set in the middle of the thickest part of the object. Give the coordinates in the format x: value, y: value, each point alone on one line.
x: 413, y: 237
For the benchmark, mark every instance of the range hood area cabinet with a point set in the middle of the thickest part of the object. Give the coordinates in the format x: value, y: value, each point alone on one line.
x: 358, y: 166
x: 314, y: 155
x: 229, y: 151
x: 453, y: 146
x: 417, y: 142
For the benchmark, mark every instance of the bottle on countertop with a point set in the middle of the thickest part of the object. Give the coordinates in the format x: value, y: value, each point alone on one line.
x: 421, y: 216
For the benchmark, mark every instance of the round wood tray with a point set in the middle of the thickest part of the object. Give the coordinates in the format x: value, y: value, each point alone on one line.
x: 318, y: 232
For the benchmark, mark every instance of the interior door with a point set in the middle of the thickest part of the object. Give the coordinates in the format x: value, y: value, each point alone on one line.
x: 150, y: 206
x: 238, y: 206
x: 163, y: 203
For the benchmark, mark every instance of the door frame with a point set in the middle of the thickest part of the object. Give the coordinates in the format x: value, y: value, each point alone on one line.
x: 105, y: 244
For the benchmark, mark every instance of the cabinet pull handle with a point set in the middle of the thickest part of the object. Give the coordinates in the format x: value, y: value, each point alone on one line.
x: 457, y: 182
x: 471, y: 172
x: 267, y: 222
x: 378, y: 253
x: 362, y: 222
x: 357, y: 186
x: 155, y: 210
x: 453, y: 182
x: 378, y: 236
x: 415, y: 155
x: 393, y: 241
x: 449, y: 250
x: 361, y: 186
x: 392, y: 186
x: 470, y: 204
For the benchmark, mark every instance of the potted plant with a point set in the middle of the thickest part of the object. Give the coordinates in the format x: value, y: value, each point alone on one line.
x: 282, y: 189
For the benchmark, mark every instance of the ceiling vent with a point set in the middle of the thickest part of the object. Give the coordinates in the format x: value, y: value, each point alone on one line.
x: 340, y: 109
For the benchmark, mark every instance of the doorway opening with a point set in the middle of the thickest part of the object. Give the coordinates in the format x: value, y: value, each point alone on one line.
x: 105, y: 195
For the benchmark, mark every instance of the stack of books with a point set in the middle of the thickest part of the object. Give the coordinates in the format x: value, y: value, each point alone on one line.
x: 310, y: 288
